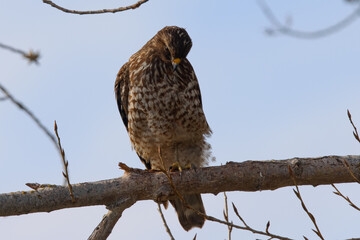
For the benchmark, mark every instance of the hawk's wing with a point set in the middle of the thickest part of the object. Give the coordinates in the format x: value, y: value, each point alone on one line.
x: 122, y: 99
x: 122, y: 92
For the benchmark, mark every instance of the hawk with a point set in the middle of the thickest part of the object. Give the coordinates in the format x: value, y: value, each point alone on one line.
x: 159, y: 100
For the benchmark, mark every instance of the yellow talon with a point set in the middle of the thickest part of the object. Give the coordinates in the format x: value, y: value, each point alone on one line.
x: 189, y: 166
x: 175, y: 167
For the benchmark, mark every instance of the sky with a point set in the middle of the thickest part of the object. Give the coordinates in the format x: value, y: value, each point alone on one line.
x: 265, y: 97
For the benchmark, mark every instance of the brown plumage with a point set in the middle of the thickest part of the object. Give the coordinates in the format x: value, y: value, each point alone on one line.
x: 159, y: 100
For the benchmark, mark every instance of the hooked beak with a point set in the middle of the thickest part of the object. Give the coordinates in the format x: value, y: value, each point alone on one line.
x: 175, y: 63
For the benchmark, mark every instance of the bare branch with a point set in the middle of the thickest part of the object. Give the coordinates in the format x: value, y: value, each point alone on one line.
x: 32, y: 56
x: 104, y: 228
x: 298, y: 195
x: 66, y: 163
x: 149, y: 185
x: 165, y: 223
x: 286, y: 30
x: 355, y: 132
x: 211, y: 218
x: 248, y: 228
x: 237, y: 214
x: 346, y: 198
x: 44, y: 129
x: 30, y: 114
x: 120, y: 9
x: 226, y: 215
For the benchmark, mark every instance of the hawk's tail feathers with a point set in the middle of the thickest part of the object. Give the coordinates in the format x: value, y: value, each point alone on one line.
x: 187, y: 217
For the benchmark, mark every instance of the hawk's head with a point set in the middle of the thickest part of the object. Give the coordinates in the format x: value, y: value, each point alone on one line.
x: 174, y: 43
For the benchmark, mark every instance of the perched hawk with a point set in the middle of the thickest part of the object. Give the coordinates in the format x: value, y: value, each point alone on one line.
x: 159, y: 100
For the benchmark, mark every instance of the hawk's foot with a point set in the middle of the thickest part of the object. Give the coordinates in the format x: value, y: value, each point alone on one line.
x: 175, y: 167
x: 190, y: 166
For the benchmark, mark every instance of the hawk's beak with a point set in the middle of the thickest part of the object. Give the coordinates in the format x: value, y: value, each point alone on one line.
x: 175, y: 63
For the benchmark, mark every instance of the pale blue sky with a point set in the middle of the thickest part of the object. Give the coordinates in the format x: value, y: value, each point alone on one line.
x: 264, y: 97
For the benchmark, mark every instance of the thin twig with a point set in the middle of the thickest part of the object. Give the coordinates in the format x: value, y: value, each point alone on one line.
x: 226, y: 215
x: 298, y: 195
x: 165, y: 223
x: 355, y: 132
x: 284, y: 29
x: 3, y: 98
x: 237, y: 214
x: 346, y: 198
x: 356, y: 135
x: 120, y: 9
x: 30, y: 114
x: 169, y: 177
x: 66, y: 163
x: 350, y: 171
x: 32, y: 56
x: 250, y: 228
x: 247, y: 228
x: 210, y: 218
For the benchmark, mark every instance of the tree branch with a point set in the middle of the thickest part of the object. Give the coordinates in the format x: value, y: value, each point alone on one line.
x: 355, y: 132
x: 165, y: 223
x: 30, y: 114
x: 104, y: 228
x: 147, y: 185
x: 287, y: 30
x: 346, y: 198
x: 65, y: 162
x: 32, y: 56
x: 226, y: 215
x: 120, y: 9
x: 311, y: 216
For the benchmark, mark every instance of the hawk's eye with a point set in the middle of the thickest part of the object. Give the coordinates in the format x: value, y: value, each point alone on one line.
x: 167, y: 53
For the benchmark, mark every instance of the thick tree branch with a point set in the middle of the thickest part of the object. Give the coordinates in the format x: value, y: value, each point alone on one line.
x: 146, y: 185
x: 104, y: 228
x: 120, y: 9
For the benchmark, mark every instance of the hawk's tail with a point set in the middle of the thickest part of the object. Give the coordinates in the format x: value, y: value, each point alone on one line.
x: 187, y: 217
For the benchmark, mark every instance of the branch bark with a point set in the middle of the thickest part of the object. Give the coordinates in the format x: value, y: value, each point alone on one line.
x: 139, y: 185
x: 104, y: 228
x: 114, y: 10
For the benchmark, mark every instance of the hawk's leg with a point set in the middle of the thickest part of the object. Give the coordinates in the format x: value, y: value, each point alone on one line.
x: 176, y: 165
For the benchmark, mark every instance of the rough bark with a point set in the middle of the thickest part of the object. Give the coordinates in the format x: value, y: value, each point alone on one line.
x: 104, y: 228
x: 136, y: 185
